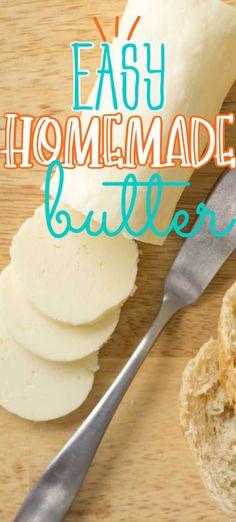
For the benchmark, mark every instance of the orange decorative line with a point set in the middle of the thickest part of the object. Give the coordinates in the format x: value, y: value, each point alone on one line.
x: 131, y: 32
x: 116, y: 26
x: 133, y: 28
x: 100, y: 29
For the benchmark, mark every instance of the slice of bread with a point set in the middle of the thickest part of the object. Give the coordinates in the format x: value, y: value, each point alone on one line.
x: 227, y: 344
x: 209, y: 425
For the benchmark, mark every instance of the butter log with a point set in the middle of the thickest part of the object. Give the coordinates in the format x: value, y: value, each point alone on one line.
x: 200, y: 43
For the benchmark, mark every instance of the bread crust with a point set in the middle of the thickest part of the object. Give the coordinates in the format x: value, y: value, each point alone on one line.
x: 227, y: 344
x: 209, y: 425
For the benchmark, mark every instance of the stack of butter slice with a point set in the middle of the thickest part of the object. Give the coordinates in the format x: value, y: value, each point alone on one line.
x: 60, y: 301
x: 207, y: 408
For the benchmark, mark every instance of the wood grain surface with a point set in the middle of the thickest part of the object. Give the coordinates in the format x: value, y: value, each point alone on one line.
x: 143, y: 470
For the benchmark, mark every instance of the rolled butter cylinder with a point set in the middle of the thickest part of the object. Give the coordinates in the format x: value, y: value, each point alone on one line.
x: 200, y: 40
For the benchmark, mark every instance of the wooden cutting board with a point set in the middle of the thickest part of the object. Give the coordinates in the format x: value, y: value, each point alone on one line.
x: 143, y: 470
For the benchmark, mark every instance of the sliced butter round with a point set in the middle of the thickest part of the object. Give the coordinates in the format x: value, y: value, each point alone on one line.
x: 75, y: 279
x: 43, y: 336
x: 37, y: 389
